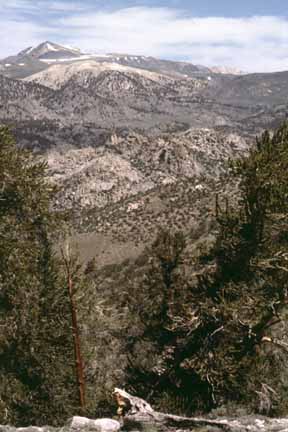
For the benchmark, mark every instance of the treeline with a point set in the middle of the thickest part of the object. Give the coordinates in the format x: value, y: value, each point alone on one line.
x: 190, y: 331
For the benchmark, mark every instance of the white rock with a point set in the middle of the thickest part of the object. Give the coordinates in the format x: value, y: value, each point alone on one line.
x: 107, y: 425
x: 99, y: 425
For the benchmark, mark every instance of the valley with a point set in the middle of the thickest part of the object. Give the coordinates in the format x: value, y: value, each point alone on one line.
x: 181, y: 278
x: 120, y: 130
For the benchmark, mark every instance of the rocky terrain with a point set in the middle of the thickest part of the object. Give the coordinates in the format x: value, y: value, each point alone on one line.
x: 143, y: 93
x: 125, y: 189
x: 130, y: 163
x: 141, y: 416
x: 133, y: 142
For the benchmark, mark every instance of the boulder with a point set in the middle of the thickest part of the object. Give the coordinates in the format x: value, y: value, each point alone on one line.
x: 99, y: 425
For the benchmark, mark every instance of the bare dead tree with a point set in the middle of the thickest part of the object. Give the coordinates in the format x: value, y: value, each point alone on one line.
x: 70, y: 271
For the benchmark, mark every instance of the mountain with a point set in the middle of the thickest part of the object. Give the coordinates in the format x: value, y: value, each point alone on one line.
x: 46, y: 50
x: 139, y: 92
x: 135, y: 145
x: 32, y: 60
x: 49, y: 50
x: 58, y: 75
x: 17, y: 68
x: 167, y: 67
x: 142, y: 93
x: 131, y: 139
x: 252, y: 89
x: 127, y: 163
x: 23, y: 101
x: 35, y: 59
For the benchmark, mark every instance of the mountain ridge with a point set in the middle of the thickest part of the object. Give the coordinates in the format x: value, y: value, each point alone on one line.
x: 47, y: 53
x: 118, y: 134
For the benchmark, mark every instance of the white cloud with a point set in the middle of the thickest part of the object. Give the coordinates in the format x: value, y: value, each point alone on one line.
x: 17, y: 4
x: 27, y: 34
x: 257, y: 43
x: 41, y: 5
x: 26, y: 23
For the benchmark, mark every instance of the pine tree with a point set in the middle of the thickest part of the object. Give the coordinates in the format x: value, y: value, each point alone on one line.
x: 37, y: 377
x: 219, y: 341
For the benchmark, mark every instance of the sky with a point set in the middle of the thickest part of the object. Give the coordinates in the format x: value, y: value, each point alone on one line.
x: 251, y: 35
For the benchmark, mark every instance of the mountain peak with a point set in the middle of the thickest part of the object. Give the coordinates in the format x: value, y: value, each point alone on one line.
x: 49, y: 45
x: 50, y: 50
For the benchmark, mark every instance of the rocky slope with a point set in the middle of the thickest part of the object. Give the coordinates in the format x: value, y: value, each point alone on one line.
x: 129, y: 138
x: 124, y: 184
x: 136, y: 92
x: 153, y: 103
x: 131, y: 163
x: 22, y: 101
x: 82, y: 72
x: 135, y: 145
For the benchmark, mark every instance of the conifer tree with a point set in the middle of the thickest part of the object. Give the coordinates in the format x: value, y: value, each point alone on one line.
x: 37, y: 377
x: 225, y: 336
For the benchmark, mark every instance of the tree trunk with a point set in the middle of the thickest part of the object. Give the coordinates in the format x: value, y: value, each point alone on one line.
x: 77, y: 346
x: 136, y: 414
x: 75, y: 330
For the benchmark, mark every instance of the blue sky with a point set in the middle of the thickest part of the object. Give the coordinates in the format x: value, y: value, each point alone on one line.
x: 249, y: 35
x: 207, y: 7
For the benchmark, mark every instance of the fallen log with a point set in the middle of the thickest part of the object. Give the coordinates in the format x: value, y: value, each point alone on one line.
x: 136, y: 414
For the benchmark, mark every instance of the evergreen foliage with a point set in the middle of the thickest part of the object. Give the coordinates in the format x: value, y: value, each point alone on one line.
x: 37, y: 377
x: 189, y: 331
x: 222, y: 336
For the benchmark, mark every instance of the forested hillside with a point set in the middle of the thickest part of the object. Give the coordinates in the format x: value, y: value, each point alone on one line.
x: 202, y: 317
x: 195, y: 323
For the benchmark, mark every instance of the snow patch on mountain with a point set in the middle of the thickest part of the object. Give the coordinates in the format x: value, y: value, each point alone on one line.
x: 69, y: 59
x: 51, y: 47
x: 226, y: 70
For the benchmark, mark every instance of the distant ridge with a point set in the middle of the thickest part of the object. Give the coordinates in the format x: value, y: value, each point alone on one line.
x: 35, y: 59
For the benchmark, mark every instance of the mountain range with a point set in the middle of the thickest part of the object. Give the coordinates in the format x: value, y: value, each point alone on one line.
x: 130, y: 138
x: 31, y: 60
